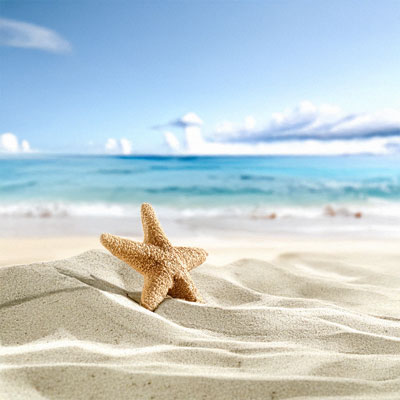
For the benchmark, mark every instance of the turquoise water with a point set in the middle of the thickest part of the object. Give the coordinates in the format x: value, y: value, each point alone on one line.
x: 111, y: 184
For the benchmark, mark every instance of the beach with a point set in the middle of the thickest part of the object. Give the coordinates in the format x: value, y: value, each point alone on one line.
x: 301, y: 284
x: 283, y: 318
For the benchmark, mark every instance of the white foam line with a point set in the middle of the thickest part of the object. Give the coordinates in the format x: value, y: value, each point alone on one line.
x: 371, y: 208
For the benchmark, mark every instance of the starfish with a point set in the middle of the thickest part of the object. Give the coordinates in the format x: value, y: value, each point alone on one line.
x: 165, y: 267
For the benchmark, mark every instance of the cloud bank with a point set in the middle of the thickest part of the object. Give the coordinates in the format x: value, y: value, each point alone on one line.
x: 25, y: 35
x: 118, y: 146
x: 9, y: 143
x: 306, y: 129
x: 324, y: 122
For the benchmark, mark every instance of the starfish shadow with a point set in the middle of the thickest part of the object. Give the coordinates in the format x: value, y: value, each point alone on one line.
x: 135, y: 296
x: 103, y: 285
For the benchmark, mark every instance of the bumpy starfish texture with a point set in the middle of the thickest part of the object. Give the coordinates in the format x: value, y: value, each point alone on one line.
x: 165, y: 268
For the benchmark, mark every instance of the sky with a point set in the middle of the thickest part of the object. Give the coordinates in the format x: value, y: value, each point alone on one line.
x: 200, y: 77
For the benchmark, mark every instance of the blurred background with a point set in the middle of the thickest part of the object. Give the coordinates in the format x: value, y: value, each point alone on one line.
x: 232, y: 118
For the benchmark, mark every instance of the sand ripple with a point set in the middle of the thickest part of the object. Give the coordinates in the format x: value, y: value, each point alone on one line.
x: 302, y: 326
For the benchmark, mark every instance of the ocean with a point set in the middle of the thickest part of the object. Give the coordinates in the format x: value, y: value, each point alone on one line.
x: 273, y: 189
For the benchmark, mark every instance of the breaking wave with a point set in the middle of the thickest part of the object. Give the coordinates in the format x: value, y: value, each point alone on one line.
x: 376, y: 208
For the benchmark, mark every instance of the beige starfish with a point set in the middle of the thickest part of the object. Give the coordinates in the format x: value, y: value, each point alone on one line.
x: 165, y: 267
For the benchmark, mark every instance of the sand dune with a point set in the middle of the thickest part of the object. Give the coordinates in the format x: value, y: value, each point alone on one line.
x: 302, y: 325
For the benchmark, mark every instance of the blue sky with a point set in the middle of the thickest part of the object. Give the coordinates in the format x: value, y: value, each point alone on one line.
x: 87, y: 72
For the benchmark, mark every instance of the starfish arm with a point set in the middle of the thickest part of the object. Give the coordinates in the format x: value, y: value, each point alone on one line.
x: 138, y: 255
x: 184, y: 288
x: 191, y: 256
x: 153, y: 233
x: 154, y: 290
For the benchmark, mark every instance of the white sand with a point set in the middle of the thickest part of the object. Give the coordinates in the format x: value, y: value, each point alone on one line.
x: 315, y: 320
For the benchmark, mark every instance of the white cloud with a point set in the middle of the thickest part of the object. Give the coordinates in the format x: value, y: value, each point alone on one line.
x: 111, y: 145
x: 191, y: 119
x: 228, y: 128
x: 305, y: 130
x: 300, y: 147
x: 172, y: 141
x: 118, y: 146
x: 304, y: 116
x: 324, y: 122
x: 379, y: 121
x: 126, y: 146
x: 195, y: 144
x: 25, y: 146
x: 193, y: 140
x: 249, y: 122
x: 22, y: 34
x: 9, y: 143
